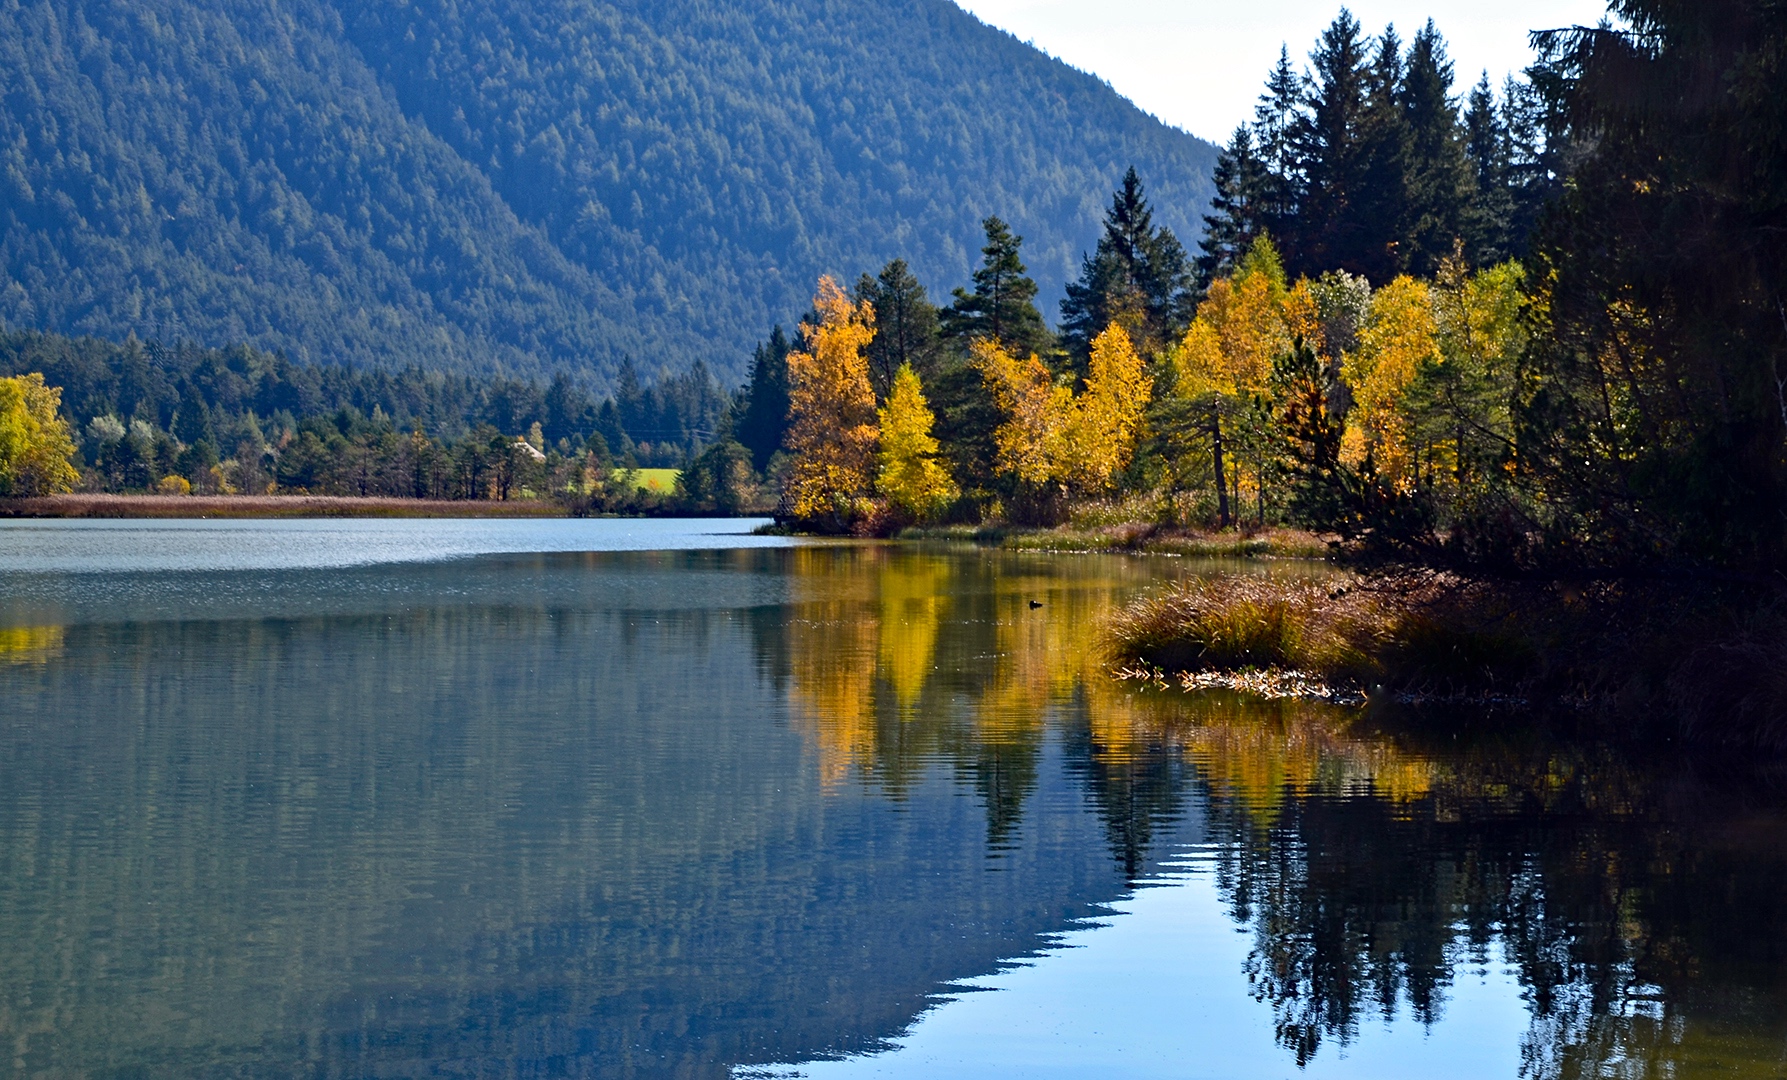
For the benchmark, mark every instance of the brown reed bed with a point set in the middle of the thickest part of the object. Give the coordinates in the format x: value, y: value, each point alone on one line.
x: 1707, y: 664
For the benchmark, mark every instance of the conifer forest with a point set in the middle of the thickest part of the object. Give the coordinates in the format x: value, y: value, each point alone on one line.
x: 1526, y: 327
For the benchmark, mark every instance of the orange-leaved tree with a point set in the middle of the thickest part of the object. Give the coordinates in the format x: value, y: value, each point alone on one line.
x: 833, y: 434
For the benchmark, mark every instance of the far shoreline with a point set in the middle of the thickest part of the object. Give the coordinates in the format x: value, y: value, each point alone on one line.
x: 270, y: 506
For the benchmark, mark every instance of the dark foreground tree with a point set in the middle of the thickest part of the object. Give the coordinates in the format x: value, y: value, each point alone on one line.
x: 1656, y: 422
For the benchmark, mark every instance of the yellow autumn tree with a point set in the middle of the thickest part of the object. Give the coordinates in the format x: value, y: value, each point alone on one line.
x: 1399, y: 337
x: 911, y: 476
x: 1107, y: 421
x: 1038, y: 413
x: 833, y: 434
x: 1050, y: 436
x: 36, y: 448
x: 1224, y: 363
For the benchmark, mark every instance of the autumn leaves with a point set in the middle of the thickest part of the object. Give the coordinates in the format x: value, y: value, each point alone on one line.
x: 857, y: 466
x: 36, y: 447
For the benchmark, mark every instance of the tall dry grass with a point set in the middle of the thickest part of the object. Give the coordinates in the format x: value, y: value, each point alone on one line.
x: 1688, y: 661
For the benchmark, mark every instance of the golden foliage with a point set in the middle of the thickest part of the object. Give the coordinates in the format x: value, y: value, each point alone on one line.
x: 36, y: 448
x: 833, y: 435
x: 1050, y: 435
x: 1038, y: 413
x: 1398, y: 338
x: 1108, y: 420
x: 911, y: 476
x: 1239, y: 331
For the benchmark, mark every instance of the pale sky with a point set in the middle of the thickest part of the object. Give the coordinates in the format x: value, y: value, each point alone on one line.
x: 1199, y: 64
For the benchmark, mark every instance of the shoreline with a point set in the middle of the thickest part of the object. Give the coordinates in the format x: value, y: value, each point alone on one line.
x: 1131, y: 539
x: 268, y: 506
x: 1696, y: 663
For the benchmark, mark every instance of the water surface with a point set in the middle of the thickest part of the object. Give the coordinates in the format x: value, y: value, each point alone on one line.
x: 507, y: 798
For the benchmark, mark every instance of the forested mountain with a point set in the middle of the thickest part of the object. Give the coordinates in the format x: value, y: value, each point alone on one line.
x: 532, y: 185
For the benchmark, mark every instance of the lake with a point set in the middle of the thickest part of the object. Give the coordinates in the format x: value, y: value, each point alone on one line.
x: 642, y: 799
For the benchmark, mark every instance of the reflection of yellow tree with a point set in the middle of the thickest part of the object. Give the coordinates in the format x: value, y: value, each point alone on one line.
x: 832, y: 651
x: 1258, y: 753
x: 30, y: 644
x: 913, y: 598
x: 876, y: 618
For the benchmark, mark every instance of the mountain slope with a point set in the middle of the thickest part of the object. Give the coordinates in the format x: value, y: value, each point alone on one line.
x: 531, y: 185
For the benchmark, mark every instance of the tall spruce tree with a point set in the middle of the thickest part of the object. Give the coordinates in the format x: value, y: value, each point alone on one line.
x: 1002, y: 306
x: 1437, y: 180
x: 1332, y: 156
x: 1488, y: 144
x: 1137, y: 276
x: 764, y: 423
x: 1277, y: 124
x: 1239, y: 207
x: 1372, y: 244
x: 906, y: 326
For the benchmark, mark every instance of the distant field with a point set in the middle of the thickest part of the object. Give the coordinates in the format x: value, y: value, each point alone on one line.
x: 663, y: 480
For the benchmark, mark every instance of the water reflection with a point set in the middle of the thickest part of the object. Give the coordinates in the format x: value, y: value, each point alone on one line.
x: 672, y: 813
x: 1635, y: 898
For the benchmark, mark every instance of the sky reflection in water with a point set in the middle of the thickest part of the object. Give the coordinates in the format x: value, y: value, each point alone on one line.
x: 686, y: 812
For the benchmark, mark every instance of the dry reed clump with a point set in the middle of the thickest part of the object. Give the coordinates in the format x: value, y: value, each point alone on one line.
x: 1660, y: 658
x: 1424, y: 634
x: 1242, y: 622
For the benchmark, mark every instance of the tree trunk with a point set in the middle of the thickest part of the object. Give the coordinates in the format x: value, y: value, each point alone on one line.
x: 1222, y: 490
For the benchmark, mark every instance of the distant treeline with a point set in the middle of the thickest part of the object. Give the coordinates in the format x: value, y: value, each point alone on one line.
x: 240, y: 419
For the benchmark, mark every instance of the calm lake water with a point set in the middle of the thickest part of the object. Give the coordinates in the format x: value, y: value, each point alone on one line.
x: 641, y: 799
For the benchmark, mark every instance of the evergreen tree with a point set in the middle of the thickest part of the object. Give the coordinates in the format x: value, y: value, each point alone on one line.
x: 1277, y: 122
x: 1239, y: 206
x: 1137, y: 276
x: 906, y: 327
x: 1372, y: 244
x: 1331, y: 153
x: 1437, y: 178
x: 1488, y: 145
x: 764, y: 424
x: 1002, y: 307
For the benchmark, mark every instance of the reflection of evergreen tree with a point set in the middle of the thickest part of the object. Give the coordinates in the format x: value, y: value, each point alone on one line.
x: 1633, y: 930
x: 1135, y: 791
x: 1004, y: 776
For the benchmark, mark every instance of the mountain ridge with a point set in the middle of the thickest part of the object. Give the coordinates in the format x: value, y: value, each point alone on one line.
x: 555, y: 185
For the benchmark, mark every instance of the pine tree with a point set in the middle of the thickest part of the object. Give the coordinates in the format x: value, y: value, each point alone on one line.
x: 764, y: 423
x: 1002, y: 307
x: 910, y: 475
x: 906, y: 327
x: 1439, y: 185
x: 1137, y: 276
x: 1240, y: 179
